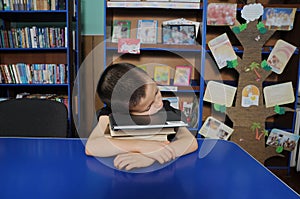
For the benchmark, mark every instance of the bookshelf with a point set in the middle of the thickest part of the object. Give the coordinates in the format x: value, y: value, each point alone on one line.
x: 39, y: 50
x: 157, y: 54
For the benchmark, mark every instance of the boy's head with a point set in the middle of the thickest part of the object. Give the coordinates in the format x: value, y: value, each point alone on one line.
x: 122, y: 86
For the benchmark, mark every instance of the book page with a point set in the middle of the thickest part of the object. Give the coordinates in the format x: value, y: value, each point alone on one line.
x: 219, y: 93
x: 222, y: 50
x: 279, y: 94
x: 280, y: 55
x: 213, y: 128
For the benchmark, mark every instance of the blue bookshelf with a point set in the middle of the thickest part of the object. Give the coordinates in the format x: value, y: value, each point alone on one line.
x: 57, y: 43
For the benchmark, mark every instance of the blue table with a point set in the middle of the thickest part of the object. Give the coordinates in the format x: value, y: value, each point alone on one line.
x: 58, y: 168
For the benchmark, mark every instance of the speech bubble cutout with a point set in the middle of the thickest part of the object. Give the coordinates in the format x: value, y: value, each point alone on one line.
x: 252, y: 12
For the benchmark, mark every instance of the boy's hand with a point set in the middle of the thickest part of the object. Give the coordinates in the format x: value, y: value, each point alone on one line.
x: 159, y: 151
x: 129, y: 161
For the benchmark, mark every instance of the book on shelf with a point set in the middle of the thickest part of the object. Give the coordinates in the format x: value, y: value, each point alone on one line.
x: 28, y: 5
x: 33, y: 37
x: 22, y: 73
x: 183, y: 21
x: 162, y: 119
x: 182, y: 75
x: 184, y: 34
x: 162, y: 75
x: 121, y: 30
x: 147, y: 31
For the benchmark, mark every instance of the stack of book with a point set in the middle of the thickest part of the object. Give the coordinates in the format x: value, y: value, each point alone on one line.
x: 154, y: 127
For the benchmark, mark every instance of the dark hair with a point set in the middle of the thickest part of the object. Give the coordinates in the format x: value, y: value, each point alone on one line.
x: 127, y: 81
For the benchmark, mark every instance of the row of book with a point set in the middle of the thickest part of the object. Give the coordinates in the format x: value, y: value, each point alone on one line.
x: 34, y: 37
x: 177, y: 31
x: 33, y: 73
x: 186, y: 1
x: 60, y: 98
x: 28, y: 5
x: 166, y: 75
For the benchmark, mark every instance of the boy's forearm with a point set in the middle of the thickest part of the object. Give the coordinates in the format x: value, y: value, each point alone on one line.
x: 106, y: 147
x: 184, y: 142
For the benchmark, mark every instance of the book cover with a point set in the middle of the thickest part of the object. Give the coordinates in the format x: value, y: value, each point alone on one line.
x: 162, y: 75
x: 221, y: 14
x: 182, y: 75
x: 128, y: 45
x: 142, y: 132
x: 147, y: 31
x: 162, y: 119
x: 121, y: 29
x: 279, y: 18
x: 179, y: 34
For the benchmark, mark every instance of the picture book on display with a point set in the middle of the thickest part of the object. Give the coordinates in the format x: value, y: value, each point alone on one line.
x: 179, y: 34
x: 162, y: 119
x: 121, y: 29
x: 147, y: 31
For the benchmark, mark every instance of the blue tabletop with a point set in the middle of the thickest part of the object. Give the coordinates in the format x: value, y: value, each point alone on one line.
x: 58, y: 168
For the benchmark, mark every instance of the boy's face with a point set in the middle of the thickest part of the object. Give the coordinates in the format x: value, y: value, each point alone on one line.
x: 151, y: 103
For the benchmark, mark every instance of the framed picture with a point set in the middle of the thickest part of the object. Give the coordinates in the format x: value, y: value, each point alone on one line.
x: 162, y: 75
x: 179, y: 34
x: 182, y: 75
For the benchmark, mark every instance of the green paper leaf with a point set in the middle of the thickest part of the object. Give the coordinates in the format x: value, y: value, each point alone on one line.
x: 262, y: 30
x: 265, y: 66
x: 236, y: 30
x: 223, y: 109
x: 220, y: 108
x: 279, y: 149
x: 217, y: 107
x: 232, y: 63
x: 243, y: 26
x: 279, y: 110
x: 260, y: 25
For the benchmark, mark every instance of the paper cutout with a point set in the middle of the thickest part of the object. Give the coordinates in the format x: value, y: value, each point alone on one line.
x: 279, y: 110
x: 129, y: 46
x: 221, y: 14
x: 232, y: 64
x: 216, y: 91
x: 220, y: 108
x: 252, y: 12
x: 282, y: 140
x: 250, y: 96
x: 213, y: 128
x: 222, y: 50
x: 279, y: 18
x: 264, y: 65
x: 261, y: 27
x: 279, y: 94
x: 280, y: 55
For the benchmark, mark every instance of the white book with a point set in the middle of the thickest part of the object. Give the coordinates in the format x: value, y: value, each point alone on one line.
x: 147, y: 31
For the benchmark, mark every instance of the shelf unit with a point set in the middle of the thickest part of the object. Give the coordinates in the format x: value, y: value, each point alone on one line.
x: 158, y: 53
x: 65, y: 50
x: 199, y: 55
